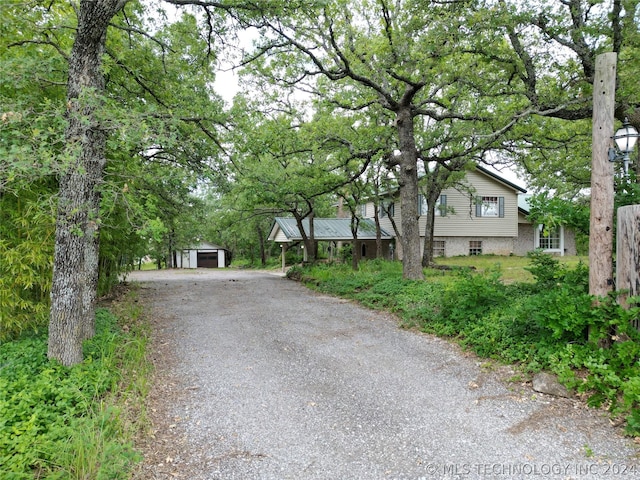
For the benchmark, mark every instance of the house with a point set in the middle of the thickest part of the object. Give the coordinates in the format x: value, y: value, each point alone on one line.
x: 204, y: 255
x: 285, y: 231
x: 559, y: 240
x: 490, y: 220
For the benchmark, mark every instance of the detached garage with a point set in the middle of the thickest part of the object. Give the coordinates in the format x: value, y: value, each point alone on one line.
x: 204, y: 255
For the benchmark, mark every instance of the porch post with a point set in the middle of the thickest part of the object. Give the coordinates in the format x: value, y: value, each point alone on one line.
x: 283, y: 247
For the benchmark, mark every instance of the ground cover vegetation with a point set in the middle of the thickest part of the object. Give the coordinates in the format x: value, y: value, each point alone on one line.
x: 546, y: 322
x: 75, y: 423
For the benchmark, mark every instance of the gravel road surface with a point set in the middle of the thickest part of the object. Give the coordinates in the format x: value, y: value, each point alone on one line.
x: 259, y: 378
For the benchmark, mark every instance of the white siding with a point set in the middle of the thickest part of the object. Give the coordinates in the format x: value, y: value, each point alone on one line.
x: 281, y: 237
x: 189, y: 258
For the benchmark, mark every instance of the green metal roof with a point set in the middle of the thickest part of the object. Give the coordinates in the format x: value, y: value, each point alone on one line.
x: 335, y: 229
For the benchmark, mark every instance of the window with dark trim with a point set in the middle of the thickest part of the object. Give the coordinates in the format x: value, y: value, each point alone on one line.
x: 489, y: 206
x: 441, y: 205
x: 387, y: 209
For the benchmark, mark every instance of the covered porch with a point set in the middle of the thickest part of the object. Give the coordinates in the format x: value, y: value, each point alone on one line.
x: 285, y: 231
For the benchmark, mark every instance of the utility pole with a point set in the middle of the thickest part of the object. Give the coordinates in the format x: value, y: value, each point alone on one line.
x: 602, y: 193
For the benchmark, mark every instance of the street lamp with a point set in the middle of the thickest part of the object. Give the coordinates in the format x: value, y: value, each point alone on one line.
x: 625, y: 138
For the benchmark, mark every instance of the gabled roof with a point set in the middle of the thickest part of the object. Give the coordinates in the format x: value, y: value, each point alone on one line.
x: 205, y: 246
x: 500, y: 179
x: 327, y: 229
x: 488, y: 173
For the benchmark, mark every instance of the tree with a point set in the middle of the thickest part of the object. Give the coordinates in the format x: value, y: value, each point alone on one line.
x: 31, y: 144
x: 75, y: 267
x: 435, y: 180
x: 286, y: 164
x: 411, y: 60
x: 120, y: 110
x: 130, y: 97
x: 551, y: 49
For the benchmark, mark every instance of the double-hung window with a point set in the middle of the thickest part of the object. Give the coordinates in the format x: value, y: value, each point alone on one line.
x: 550, y: 239
x: 489, y: 206
x: 441, y: 205
x: 423, y: 207
x: 363, y: 210
x: 387, y: 210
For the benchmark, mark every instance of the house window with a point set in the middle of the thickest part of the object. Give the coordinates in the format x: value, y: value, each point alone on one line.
x: 388, y: 210
x: 423, y: 208
x: 490, y: 207
x: 475, y: 247
x: 363, y: 250
x: 363, y: 210
x: 550, y: 238
x: 441, y: 205
x: 438, y: 248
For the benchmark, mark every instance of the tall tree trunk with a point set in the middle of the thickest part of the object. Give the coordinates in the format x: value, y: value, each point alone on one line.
x: 262, y: 246
x: 355, y: 255
x: 432, y: 198
x: 397, y: 234
x: 408, y: 182
x: 427, y: 251
x: 355, y: 245
x: 312, y: 245
x: 308, y: 240
x: 376, y: 219
x: 75, y: 264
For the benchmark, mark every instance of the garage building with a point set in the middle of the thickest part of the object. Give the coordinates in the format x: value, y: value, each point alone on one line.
x: 204, y: 255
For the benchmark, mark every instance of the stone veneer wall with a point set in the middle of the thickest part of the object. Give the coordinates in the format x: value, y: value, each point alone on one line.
x: 455, y: 246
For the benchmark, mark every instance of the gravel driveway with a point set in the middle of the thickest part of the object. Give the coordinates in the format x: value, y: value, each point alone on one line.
x: 260, y: 378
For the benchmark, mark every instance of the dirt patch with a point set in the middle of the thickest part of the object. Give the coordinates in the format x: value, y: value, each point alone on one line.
x: 162, y: 443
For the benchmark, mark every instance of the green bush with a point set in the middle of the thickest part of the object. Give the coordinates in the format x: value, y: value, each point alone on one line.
x: 467, y: 300
x: 545, y: 268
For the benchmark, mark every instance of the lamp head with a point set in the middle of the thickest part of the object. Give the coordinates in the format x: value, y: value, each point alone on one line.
x: 626, y: 137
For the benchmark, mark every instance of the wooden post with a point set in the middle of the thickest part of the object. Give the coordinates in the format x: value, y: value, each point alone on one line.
x: 283, y: 247
x: 602, y: 194
x: 628, y: 253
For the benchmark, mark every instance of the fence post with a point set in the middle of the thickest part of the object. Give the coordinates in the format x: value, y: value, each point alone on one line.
x: 601, y: 223
x: 628, y: 254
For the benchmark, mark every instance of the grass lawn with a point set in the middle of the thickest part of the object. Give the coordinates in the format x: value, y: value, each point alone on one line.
x: 512, y: 267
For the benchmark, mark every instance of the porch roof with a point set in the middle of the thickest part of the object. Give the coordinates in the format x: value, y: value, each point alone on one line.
x: 285, y: 229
